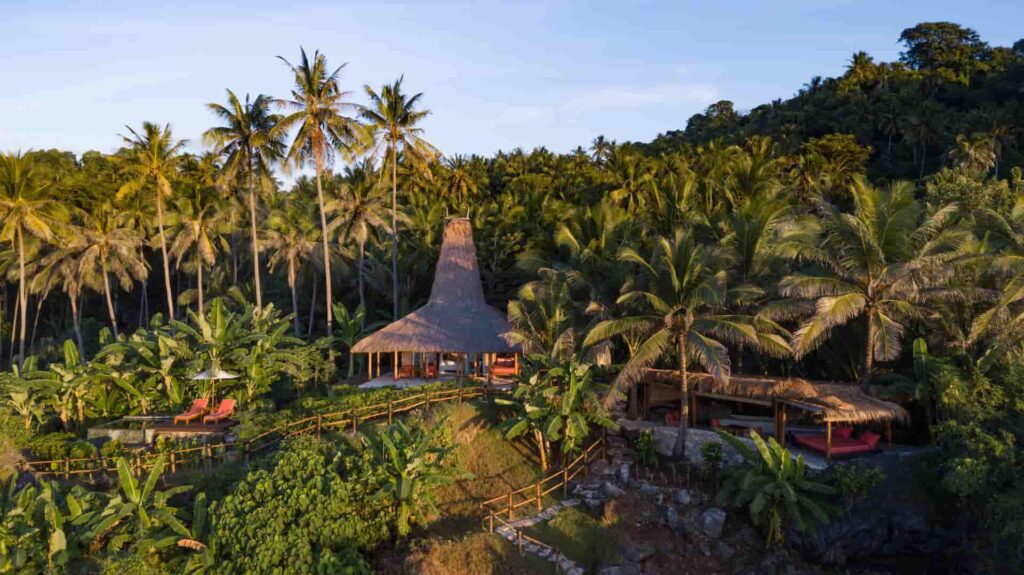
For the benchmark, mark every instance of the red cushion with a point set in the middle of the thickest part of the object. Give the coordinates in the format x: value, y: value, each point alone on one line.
x: 840, y: 445
x: 870, y: 439
x: 844, y: 431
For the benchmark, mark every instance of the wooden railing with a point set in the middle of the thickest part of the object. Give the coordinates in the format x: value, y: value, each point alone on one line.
x: 503, y: 507
x: 207, y: 455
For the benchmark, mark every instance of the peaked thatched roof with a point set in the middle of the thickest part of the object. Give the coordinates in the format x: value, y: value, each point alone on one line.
x: 456, y: 318
x: 839, y: 402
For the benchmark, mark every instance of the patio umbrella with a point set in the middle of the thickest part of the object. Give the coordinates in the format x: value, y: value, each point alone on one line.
x: 213, y: 375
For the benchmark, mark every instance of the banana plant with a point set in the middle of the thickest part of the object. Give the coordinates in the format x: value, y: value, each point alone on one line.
x: 140, y: 514
x: 414, y: 467
x: 776, y: 488
x: 40, y: 523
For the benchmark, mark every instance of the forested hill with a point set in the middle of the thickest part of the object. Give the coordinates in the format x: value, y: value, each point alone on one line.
x: 947, y: 84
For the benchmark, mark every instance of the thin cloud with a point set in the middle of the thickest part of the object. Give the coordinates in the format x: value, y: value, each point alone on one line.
x: 626, y: 97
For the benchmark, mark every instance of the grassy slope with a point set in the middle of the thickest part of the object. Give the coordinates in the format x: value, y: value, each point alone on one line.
x: 453, y: 543
x: 497, y: 465
x: 580, y: 536
x: 475, y: 554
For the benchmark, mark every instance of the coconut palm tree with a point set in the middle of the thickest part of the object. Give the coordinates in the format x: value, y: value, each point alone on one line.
x: 293, y: 238
x: 318, y: 108
x: 878, y: 263
x: 154, y: 159
x: 681, y: 304
x: 110, y: 246
x: 361, y: 210
x: 199, y: 228
x: 392, y: 117
x: 250, y: 145
x: 25, y: 209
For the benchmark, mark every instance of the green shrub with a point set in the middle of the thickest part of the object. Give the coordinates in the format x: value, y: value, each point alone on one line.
x: 712, y: 454
x: 113, y: 448
x: 644, y: 447
x: 51, y: 445
x: 854, y: 482
x: 308, y: 509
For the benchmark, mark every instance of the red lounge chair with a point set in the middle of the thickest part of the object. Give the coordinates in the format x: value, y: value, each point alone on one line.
x: 866, y: 443
x: 225, y: 410
x: 406, y: 371
x: 430, y: 371
x: 195, y: 412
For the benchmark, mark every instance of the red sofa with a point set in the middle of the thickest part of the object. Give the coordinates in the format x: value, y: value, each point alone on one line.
x: 842, y: 443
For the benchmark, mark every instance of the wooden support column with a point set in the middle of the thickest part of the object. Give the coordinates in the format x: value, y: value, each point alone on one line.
x: 516, y: 362
x: 782, y: 424
x: 378, y: 364
x: 394, y: 365
x: 693, y: 411
x: 828, y: 442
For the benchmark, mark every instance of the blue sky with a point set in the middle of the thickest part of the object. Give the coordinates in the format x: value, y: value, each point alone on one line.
x: 495, y: 76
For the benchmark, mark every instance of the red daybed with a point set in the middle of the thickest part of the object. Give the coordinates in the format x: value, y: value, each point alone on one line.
x: 842, y: 442
x: 503, y: 366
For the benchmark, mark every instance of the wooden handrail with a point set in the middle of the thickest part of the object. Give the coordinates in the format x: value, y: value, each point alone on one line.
x: 250, y: 445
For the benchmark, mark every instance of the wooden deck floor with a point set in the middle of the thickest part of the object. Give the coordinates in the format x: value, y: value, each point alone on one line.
x: 194, y: 428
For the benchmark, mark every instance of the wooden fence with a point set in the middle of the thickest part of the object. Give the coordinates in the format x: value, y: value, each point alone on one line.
x: 503, y: 507
x: 209, y: 454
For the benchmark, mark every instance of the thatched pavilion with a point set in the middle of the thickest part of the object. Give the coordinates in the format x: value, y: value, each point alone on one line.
x: 455, y: 322
x: 828, y: 403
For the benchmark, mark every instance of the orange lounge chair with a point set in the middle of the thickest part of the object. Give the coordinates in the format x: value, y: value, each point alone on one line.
x: 195, y: 412
x: 225, y: 410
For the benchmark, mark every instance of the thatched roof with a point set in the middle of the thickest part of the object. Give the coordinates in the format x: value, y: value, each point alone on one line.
x: 456, y: 318
x: 839, y: 402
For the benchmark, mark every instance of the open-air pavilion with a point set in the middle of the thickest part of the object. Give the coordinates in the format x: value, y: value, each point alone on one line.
x: 455, y: 334
x: 769, y: 403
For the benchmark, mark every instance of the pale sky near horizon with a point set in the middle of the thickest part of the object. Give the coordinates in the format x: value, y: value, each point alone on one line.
x: 494, y: 76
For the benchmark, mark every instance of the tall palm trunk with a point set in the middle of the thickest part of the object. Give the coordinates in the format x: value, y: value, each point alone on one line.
x: 394, y: 231
x: 684, y: 401
x: 76, y: 322
x: 327, y: 252
x: 163, y: 251
x: 869, y: 352
x: 14, y: 326
x: 361, y: 280
x: 295, y: 296
x: 22, y: 298
x: 35, y: 322
x: 255, y: 242
x: 199, y: 280
x: 110, y: 302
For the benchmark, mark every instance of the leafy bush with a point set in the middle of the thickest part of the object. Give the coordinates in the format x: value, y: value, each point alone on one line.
x: 644, y: 447
x: 113, y: 448
x: 775, y: 488
x: 308, y: 509
x: 853, y: 481
x: 712, y: 454
x: 55, y: 446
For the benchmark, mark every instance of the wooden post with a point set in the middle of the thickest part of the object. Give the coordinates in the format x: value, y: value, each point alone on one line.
x: 539, y: 499
x: 319, y: 424
x: 67, y: 468
x: 460, y: 395
x: 355, y: 422
x: 490, y: 518
x: 174, y: 463
x: 378, y: 364
x: 138, y: 465
x: 519, y: 532
x: 515, y: 360
x: 390, y: 412
x: 565, y: 482
x: 511, y: 509
x: 828, y: 441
